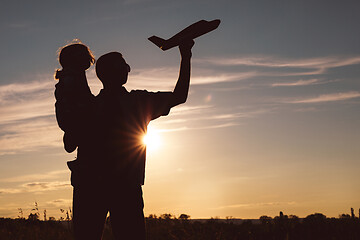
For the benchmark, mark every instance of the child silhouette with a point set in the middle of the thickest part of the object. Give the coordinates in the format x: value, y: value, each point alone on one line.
x: 72, y: 92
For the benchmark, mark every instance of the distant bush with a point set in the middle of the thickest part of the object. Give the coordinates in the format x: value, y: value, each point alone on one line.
x: 33, y: 229
x: 168, y: 227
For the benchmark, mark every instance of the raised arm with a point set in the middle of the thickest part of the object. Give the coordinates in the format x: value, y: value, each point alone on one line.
x: 181, y: 89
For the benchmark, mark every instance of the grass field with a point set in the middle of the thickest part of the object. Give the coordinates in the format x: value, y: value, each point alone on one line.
x: 167, y: 227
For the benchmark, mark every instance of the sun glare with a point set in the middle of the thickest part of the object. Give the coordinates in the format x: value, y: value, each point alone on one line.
x: 152, y: 139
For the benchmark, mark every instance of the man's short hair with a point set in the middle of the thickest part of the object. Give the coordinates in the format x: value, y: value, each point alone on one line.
x: 111, y: 65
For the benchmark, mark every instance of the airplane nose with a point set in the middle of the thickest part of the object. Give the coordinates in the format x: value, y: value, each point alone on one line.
x: 216, y: 23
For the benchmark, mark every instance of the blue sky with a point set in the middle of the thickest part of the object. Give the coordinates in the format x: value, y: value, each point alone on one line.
x: 271, y: 123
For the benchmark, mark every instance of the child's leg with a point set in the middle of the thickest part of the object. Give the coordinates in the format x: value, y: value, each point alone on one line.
x: 70, y: 142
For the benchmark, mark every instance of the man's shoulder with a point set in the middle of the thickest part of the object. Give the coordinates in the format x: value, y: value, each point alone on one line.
x: 139, y: 92
x: 148, y: 93
x: 141, y: 95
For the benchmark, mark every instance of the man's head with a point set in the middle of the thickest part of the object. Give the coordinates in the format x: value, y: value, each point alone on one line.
x: 112, y: 70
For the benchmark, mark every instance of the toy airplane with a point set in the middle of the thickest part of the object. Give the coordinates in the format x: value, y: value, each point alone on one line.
x: 191, y: 32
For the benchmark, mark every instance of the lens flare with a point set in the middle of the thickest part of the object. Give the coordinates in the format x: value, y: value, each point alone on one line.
x: 152, y: 139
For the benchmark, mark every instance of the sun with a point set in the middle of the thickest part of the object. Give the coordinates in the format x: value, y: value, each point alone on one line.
x: 152, y: 139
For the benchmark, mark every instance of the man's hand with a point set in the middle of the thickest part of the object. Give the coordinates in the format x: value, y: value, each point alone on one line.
x: 185, y: 48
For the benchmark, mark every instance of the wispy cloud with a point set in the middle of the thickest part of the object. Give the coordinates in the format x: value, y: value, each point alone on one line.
x: 14, y: 89
x: 35, y: 177
x: 36, y: 187
x: 329, y: 97
x: 26, y: 110
x: 222, y: 77
x: 283, y: 67
x: 306, y: 109
x: 297, y: 83
x: 10, y: 190
x: 45, y: 186
x: 206, y: 117
x: 61, y: 202
x: 27, y: 116
x: 165, y: 78
x: 210, y: 126
x: 252, y: 205
x: 29, y: 135
x: 20, y: 101
x: 269, y: 61
x: 184, y: 109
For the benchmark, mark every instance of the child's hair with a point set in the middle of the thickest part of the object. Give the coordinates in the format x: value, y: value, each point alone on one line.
x: 76, y: 55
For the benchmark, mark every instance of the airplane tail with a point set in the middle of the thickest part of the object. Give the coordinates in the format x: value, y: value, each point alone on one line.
x: 157, y: 41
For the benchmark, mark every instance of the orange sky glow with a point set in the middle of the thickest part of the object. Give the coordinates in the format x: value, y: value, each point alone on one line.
x: 270, y: 125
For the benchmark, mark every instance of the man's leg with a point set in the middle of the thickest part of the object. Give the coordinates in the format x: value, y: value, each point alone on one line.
x: 126, y: 213
x: 89, y: 213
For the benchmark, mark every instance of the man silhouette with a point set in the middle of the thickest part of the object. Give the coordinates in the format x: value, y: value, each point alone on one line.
x: 110, y: 168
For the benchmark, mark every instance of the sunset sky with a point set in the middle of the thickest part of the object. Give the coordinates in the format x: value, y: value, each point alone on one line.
x: 271, y: 123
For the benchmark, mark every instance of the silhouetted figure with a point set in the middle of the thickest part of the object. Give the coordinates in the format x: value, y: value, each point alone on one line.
x: 72, y: 93
x: 110, y: 167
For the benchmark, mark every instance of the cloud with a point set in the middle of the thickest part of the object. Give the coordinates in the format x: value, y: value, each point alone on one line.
x: 206, y: 117
x: 255, y: 205
x: 29, y: 134
x: 59, y: 203
x: 165, y: 78
x: 297, y: 83
x: 269, y: 61
x: 241, y: 113
x: 212, y: 112
x: 45, y: 186
x: 185, y: 109
x: 36, y: 187
x: 330, y: 97
x: 9, y: 190
x: 20, y: 101
x: 306, y: 109
x: 35, y: 177
x: 26, y: 110
x: 282, y: 67
x: 222, y: 77
x: 210, y: 126
x: 14, y: 90
x: 27, y: 116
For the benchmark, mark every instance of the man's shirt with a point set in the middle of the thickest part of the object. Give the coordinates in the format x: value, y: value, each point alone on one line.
x: 117, y: 150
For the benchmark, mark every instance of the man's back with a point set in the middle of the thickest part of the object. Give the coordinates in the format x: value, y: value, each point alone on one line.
x: 122, y: 120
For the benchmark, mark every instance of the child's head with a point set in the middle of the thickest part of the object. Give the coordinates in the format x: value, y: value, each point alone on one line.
x: 76, y: 56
